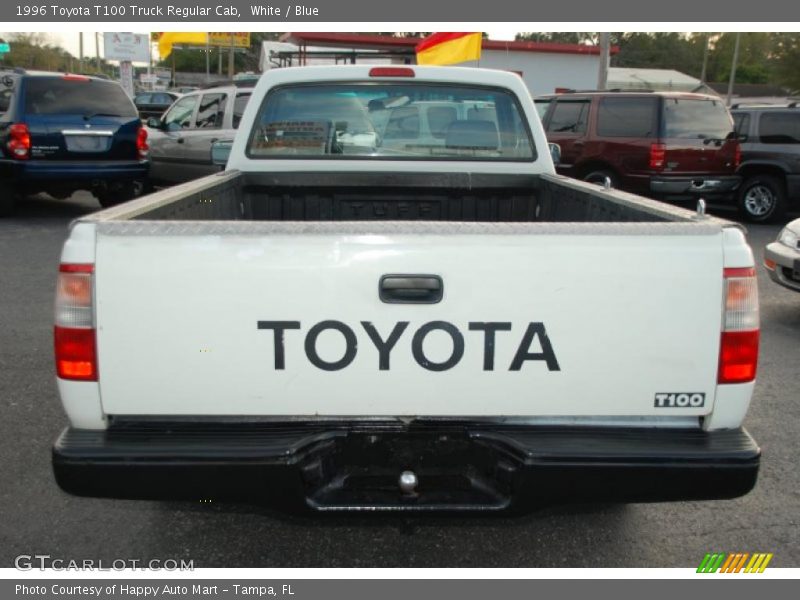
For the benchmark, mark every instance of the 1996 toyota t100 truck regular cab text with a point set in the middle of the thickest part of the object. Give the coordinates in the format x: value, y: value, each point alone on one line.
x: 362, y: 313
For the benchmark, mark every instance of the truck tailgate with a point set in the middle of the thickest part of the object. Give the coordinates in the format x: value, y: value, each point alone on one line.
x: 287, y: 319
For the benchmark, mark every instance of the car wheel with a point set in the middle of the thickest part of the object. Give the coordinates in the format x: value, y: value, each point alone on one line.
x: 119, y: 193
x: 762, y: 198
x: 8, y: 199
x: 599, y: 177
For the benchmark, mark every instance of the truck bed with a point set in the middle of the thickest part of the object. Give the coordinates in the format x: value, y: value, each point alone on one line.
x: 448, y: 197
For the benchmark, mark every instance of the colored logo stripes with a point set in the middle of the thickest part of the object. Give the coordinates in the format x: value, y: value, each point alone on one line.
x: 737, y: 562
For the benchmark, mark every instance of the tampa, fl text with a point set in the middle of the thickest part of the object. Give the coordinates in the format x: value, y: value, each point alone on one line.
x: 154, y: 591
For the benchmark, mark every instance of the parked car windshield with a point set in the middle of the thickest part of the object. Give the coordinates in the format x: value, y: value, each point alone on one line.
x: 696, y: 118
x: 79, y: 96
x: 391, y: 120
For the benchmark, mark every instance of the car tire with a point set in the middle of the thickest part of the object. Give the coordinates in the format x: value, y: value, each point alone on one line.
x: 8, y: 200
x: 599, y: 177
x: 762, y: 198
x: 119, y: 193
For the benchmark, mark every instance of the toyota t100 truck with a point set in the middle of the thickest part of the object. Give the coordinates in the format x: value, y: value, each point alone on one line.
x: 361, y: 313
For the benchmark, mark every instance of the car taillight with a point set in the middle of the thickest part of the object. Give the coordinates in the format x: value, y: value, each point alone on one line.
x: 74, y: 334
x: 737, y: 155
x: 738, y: 355
x: 141, y: 143
x: 19, y: 141
x: 658, y: 156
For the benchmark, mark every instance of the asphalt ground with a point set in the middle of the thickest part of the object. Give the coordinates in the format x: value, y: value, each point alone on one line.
x: 36, y: 517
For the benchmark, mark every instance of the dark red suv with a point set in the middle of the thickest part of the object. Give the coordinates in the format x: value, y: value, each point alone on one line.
x: 667, y: 145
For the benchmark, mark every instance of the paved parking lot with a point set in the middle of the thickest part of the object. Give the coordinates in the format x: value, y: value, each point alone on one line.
x: 36, y: 517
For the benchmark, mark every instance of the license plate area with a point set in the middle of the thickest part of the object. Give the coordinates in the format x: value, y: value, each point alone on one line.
x: 87, y: 143
x: 453, y: 472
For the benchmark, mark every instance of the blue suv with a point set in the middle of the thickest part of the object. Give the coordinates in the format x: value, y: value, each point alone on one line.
x: 60, y: 133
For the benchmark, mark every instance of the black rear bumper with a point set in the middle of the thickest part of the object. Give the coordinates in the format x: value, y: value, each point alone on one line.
x: 351, y: 466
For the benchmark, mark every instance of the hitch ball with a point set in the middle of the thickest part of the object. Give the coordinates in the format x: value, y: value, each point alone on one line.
x: 408, y: 482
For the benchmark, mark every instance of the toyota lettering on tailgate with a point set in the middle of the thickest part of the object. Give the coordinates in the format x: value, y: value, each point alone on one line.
x: 527, y: 349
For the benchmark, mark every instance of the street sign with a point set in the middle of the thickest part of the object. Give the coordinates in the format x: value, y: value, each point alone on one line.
x: 5, y: 48
x: 126, y: 46
x: 126, y: 76
x: 222, y: 39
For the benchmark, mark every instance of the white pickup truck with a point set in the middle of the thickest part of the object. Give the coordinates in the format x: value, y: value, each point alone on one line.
x: 359, y: 314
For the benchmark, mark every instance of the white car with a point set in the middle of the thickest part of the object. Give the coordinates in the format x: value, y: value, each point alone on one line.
x: 181, y: 138
x: 782, y: 257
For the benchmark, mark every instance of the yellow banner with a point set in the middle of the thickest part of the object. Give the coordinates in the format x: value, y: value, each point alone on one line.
x: 169, y: 38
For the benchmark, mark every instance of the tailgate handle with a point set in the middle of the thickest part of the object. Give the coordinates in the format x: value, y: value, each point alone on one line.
x: 411, y: 289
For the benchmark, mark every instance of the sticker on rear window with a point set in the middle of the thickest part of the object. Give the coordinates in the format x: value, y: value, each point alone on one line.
x: 680, y: 400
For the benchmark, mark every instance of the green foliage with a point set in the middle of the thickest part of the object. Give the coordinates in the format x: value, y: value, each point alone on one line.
x: 756, y: 58
x: 33, y: 51
x: 562, y: 37
x: 786, y: 53
x: 659, y: 51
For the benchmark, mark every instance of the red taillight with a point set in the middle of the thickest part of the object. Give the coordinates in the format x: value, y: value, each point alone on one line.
x: 738, y: 354
x: 19, y: 141
x: 74, y: 334
x: 76, y: 355
x: 737, y: 155
x: 658, y: 156
x: 391, y: 72
x: 141, y: 143
x: 74, y: 77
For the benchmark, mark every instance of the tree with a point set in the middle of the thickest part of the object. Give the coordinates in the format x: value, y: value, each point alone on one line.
x: 33, y: 50
x: 682, y: 52
x: 756, y: 57
x: 562, y: 37
x: 787, y: 60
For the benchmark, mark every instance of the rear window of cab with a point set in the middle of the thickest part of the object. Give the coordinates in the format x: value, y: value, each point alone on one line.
x: 387, y: 120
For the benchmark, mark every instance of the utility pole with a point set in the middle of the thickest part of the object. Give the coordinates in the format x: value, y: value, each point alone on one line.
x: 97, y: 50
x: 732, y: 78
x: 705, y: 60
x: 230, y: 59
x: 208, y: 60
x: 605, y: 53
x: 80, y: 52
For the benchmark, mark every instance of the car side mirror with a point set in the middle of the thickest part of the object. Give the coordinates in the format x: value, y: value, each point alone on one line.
x: 220, y: 152
x: 555, y: 153
x: 155, y: 123
x: 742, y: 137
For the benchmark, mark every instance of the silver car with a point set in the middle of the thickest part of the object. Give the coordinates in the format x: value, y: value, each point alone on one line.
x: 782, y: 257
x: 180, y: 141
